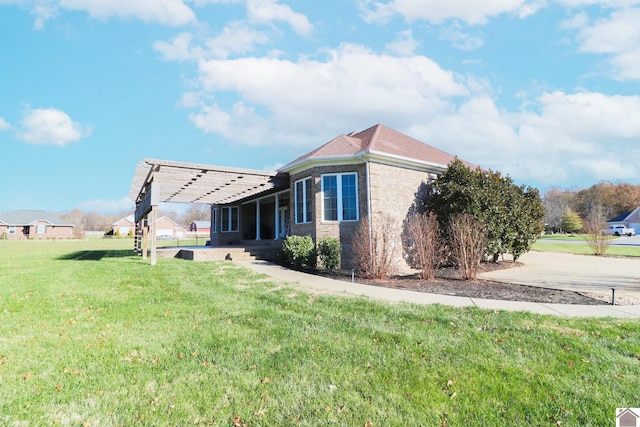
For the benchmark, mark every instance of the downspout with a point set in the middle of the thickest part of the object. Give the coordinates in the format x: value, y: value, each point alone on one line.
x: 366, y: 163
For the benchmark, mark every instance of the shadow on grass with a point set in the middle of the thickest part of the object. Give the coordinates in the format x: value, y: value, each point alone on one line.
x: 96, y: 255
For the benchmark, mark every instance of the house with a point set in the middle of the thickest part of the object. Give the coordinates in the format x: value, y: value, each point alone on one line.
x: 200, y: 227
x: 627, y: 418
x: 124, y: 226
x: 629, y: 219
x: 33, y: 224
x: 374, y: 173
x: 167, y: 228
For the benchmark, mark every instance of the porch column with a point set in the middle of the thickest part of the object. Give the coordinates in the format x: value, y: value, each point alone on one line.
x: 257, y: 219
x: 277, y: 217
x: 153, y: 232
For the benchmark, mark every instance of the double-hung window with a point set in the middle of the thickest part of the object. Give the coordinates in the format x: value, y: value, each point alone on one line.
x: 302, y: 194
x: 229, y: 219
x: 340, y: 197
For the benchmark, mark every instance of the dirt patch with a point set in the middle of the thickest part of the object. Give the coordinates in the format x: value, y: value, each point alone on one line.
x: 448, y: 282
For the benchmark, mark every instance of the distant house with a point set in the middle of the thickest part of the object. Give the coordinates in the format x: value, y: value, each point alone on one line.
x: 33, y: 224
x: 168, y: 228
x: 629, y: 219
x: 200, y: 227
x: 124, y: 226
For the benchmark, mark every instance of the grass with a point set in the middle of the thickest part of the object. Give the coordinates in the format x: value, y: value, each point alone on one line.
x: 574, y: 248
x: 91, y: 335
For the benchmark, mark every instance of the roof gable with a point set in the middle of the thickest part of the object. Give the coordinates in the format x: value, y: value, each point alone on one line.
x: 28, y: 217
x: 379, y: 141
x: 621, y: 217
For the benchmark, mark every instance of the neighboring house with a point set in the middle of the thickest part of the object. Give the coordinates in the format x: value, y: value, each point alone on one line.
x: 124, y: 226
x: 33, y: 224
x: 629, y: 219
x: 374, y: 174
x: 166, y: 227
x: 200, y: 227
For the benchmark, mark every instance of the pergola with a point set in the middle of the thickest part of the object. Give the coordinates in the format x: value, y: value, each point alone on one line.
x: 158, y: 181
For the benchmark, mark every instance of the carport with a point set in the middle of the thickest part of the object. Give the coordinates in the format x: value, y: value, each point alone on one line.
x: 159, y: 181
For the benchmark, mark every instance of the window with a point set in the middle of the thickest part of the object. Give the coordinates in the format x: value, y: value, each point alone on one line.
x: 340, y: 197
x: 41, y: 229
x: 12, y: 229
x: 229, y: 219
x: 303, y: 201
x: 214, y: 220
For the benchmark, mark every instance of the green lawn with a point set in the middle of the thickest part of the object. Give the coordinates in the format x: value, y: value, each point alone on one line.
x: 93, y: 336
x: 584, y: 249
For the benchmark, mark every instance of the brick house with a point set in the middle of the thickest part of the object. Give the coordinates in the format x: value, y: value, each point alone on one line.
x: 33, y: 224
x: 369, y: 174
x: 124, y: 226
x: 166, y: 227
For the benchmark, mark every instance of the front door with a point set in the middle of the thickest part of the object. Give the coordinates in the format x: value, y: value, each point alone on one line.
x: 283, y: 222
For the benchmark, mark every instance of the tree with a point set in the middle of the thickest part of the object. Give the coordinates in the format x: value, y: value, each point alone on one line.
x: 511, y: 216
x: 571, y: 221
x: 594, y: 228
x: 555, y: 202
x: 468, y: 240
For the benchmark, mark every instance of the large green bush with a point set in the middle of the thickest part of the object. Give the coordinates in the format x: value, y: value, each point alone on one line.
x: 329, y: 252
x: 299, y: 252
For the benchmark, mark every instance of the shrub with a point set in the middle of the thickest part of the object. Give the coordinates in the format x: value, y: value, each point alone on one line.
x: 422, y: 243
x: 329, y: 252
x: 594, y: 228
x: 299, y: 252
x: 468, y: 241
x: 374, y: 252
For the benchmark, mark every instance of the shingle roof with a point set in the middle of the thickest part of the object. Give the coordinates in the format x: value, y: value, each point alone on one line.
x: 620, y: 217
x: 380, y: 140
x: 28, y: 217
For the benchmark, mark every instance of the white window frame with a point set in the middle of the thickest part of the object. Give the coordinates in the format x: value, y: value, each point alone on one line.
x: 12, y: 229
x: 214, y: 220
x: 306, y: 201
x: 340, y: 198
x: 228, y: 227
x: 41, y: 229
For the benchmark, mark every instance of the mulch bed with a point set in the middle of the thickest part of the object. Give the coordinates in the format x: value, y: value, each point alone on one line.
x: 447, y: 282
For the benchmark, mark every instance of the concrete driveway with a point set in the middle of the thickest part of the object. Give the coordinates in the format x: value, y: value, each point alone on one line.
x: 581, y: 273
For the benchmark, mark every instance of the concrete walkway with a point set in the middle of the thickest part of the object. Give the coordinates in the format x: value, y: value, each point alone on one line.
x: 325, y: 285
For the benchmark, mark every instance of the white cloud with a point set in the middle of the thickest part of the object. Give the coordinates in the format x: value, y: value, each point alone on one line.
x: 618, y: 37
x: 266, y: 11
x: 302, y: 98
x: 49, y: 126
x: 108, y: 206
x: 472, y: 12
x: 459, y: 38
x: 168, y: 12
x: 561, y: 136
x: 404, y: 45
x: 4, y: 125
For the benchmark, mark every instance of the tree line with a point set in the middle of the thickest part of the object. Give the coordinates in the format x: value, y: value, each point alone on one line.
x: 603, y: 200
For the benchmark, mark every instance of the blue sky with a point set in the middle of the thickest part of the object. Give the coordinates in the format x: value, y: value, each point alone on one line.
x: 546, y: 91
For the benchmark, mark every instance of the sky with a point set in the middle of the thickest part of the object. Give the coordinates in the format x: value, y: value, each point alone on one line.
x: 545, y: 91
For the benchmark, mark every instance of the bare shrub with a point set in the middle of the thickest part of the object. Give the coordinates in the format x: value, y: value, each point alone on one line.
x: 373, y: 254
x: 594, y: 228
x: 468, y: 240
x: 421, y: 243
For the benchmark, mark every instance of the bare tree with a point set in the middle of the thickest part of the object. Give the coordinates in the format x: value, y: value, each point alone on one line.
x: 375, y: 251
x: 468, y: 240
x: 556, y: 202
x: 422, y: 244
x: 594, y: 228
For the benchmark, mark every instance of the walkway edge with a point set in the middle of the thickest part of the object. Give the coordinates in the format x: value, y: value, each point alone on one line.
x: 339, y: 287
